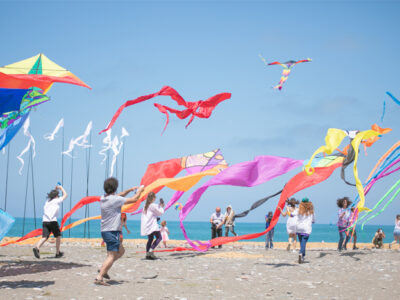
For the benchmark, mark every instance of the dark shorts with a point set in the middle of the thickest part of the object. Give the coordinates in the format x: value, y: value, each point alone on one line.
x: 111, y: 238
x: 51, y: 227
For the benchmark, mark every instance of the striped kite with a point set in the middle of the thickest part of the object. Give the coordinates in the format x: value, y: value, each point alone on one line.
x: 287, y: 67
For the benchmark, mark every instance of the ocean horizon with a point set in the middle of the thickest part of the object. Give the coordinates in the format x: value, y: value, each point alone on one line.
x: 202, y: 230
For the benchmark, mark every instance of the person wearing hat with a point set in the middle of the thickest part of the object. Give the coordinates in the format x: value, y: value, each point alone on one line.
x: 304, y: 220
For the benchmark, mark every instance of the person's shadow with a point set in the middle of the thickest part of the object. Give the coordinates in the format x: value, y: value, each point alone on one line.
x: 13, y: 268
x: 25, y: 284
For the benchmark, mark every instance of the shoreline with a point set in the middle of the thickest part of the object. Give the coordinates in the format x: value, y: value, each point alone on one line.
x: 96, y: 242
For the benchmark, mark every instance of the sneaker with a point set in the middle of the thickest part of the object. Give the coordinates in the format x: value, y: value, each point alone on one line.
x: 153, y: 256
x: 148, y: 256
x: 355, y: 248
x: 300, y: 259
x: 60, y: 254
x: 294, y: 251
x: 36, y: 252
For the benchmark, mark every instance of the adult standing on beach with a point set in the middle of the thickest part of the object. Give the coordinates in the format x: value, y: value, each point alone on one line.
x: 304, y: 220
x: 229, y: 221
x: 269, y: 237
x: 217, y: 220
x: 149, y: 225
x: 50, y: 224
x: 343, y: 222
x: 396, y: 232
x: 110, y: 205
x: 291, y: 211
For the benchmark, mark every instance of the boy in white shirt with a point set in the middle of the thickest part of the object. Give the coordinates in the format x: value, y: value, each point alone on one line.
x: 50, y: 224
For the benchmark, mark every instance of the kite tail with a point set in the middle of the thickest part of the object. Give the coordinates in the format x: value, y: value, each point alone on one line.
x: 256, y: 204
x: 384, y: 109
x: 163, y: 110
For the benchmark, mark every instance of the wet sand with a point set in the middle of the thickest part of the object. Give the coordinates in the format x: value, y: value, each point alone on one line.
x: 236, y: 271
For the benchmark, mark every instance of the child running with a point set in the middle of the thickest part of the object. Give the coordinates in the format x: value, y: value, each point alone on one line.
x: 291, y: 211
x: 164, y: 233
x: 110, y: 205
x: 50, y: 224
x: 149, y: 226
x: 304, y: 220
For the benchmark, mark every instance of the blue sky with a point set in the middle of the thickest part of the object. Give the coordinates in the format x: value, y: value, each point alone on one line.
x: 125, y: 49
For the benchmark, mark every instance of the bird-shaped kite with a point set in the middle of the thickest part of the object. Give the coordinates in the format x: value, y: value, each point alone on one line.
x: 287, y: 67
x: 200, y: 109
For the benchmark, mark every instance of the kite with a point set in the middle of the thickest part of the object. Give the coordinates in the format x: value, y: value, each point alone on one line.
x: 51, y: 136
x: 31, y: 143
x: 246, y: 174
x: 37, y: 71
x: 397, y: 101
x: 107, y: 140
x: 299, y: 182
x: 200, y: 109
x: 287, y: 67
x: 6, y: 222
x: 178, y: 206
x: 116, y: 147
x: 32, y: 98
x: 334, y: 138
x: 389, y: 160
x: 197, y: 166
x: 15, y: 106
x: 80, y: 141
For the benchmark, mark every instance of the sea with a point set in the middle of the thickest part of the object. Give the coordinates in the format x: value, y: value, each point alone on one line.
x: 202, y: 230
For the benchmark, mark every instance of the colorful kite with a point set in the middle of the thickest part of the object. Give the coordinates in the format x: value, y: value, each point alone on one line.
x: 200, y: 109
x: 287, y: 67
x: 6, y: 222
x: 206, y: 164
x: 15, y: 106
x: 32, y: 98
x: 246, y: 174
x: 37, y: 71
x: 335, y: 137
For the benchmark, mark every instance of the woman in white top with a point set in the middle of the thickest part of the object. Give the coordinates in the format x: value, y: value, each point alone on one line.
x: 149, y: 225
x: 291, y: 222
x: 396, y: 232
x: 304, y: 220
x: 50, y: 224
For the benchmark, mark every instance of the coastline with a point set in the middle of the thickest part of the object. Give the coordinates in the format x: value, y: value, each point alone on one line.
x: 140, y: 243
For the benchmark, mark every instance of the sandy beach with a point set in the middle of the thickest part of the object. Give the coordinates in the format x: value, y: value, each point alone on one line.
x: 236, y: 271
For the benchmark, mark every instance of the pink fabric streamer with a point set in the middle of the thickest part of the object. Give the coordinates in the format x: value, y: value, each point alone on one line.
x: 246, y: 174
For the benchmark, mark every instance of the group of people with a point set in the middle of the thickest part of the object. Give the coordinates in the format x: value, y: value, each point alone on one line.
x: 299, y: 224
x: 219, y: 219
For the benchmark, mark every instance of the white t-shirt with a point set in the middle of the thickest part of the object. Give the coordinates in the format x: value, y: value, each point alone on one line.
x: 50, y: 209
x: 304, y: 223
x: 148, y: 222
x: 217, y: 218
x: 397, y: 225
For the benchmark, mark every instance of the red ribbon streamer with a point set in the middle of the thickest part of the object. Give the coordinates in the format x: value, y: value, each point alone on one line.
x: 201, y: 109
